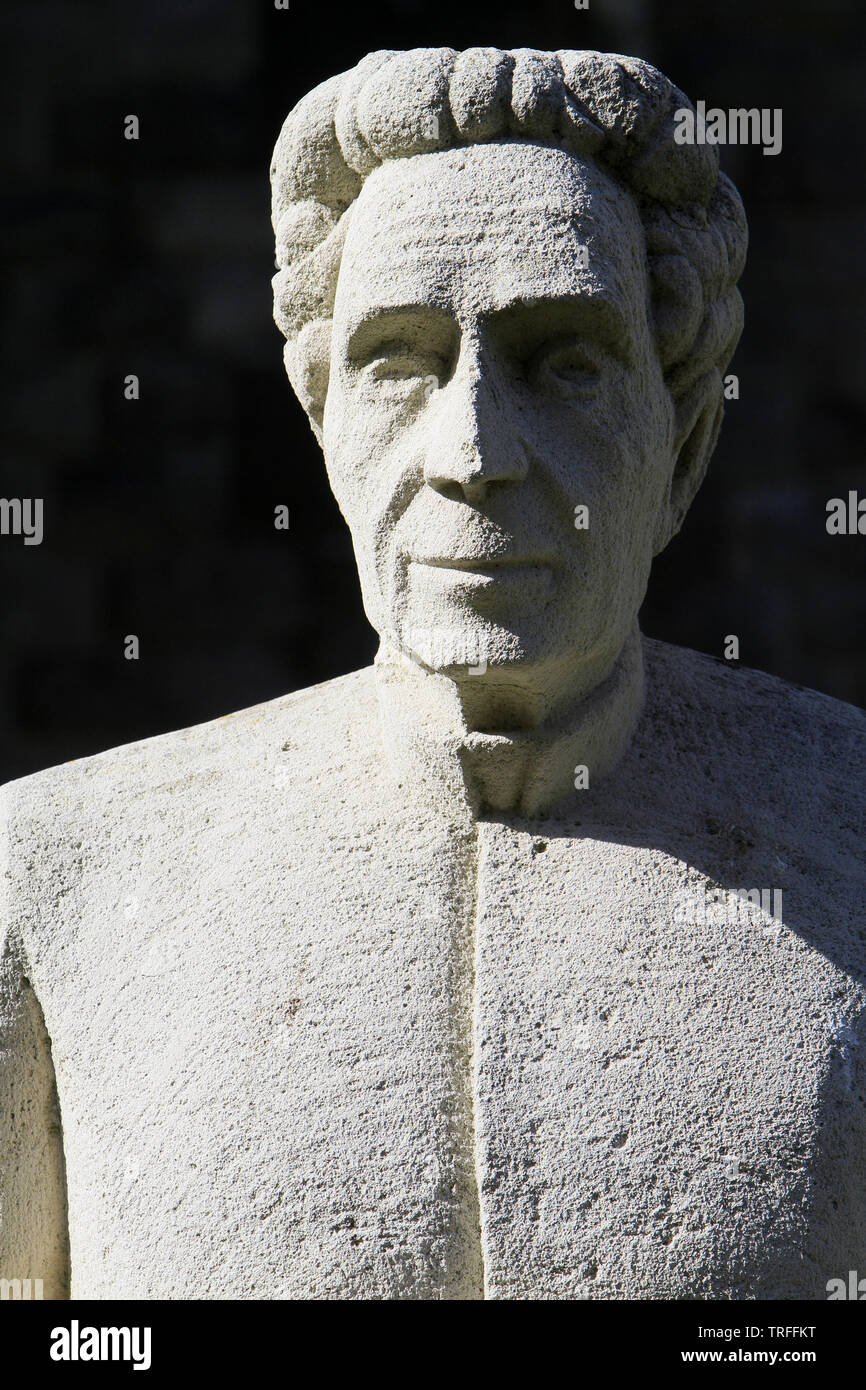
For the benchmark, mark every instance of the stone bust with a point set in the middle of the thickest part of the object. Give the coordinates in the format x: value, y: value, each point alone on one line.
x: 456, y: 977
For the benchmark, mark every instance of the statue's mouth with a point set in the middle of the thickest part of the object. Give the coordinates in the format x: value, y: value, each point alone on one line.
x: 492, y: 577
x: 483, y: 564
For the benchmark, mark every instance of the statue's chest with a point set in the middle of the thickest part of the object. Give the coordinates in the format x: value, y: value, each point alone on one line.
x: 437, y: 1073
x: 669, y: 1091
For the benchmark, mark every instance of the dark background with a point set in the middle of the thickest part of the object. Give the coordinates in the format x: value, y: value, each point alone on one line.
x: 155, y: 258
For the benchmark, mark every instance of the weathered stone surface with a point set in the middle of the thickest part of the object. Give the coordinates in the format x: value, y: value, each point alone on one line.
x: 254, y: 953
x: 365, y: 992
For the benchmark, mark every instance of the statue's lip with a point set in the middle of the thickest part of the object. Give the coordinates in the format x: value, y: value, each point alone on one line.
x: 481, y: 563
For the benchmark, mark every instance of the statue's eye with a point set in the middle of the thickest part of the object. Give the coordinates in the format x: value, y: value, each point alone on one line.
x: 569, y: 370
x: 395, y: 362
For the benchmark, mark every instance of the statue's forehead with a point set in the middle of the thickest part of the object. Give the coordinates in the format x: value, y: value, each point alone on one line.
x: 486, y: 226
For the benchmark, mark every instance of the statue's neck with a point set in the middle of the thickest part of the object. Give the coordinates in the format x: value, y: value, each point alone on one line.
x: 435, y: 752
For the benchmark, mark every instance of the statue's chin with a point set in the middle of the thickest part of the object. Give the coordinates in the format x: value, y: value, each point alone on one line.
x: 529, y: 647
x: 457, y: 649
x: 482, y: 656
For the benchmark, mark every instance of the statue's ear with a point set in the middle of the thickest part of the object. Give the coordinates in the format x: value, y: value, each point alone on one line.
x: 698, y: 419
x: 308, y: 366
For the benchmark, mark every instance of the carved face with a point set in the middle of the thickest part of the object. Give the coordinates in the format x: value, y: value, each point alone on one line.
x: 493, y: 369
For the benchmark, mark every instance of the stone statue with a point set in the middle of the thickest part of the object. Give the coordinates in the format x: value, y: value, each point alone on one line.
x: 529, y: 962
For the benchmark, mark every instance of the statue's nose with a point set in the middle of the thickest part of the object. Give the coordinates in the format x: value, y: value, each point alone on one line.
x: 473, y: 444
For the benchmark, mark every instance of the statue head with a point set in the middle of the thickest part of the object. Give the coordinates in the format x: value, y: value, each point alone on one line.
x: 509, y: 298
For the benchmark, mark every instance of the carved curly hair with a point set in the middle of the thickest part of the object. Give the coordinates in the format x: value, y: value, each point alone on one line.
x: 615, y: 110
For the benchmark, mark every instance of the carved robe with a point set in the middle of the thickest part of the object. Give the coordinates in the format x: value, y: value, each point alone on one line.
x: 276, y: 1022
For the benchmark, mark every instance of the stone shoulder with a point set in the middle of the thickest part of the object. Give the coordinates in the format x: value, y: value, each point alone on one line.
x: 701, y: 681
x: 782, y: 756
x: 305, y: 734
x: 750, y: 712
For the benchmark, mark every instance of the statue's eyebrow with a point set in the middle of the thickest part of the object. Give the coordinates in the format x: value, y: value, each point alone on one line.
x: 523, y: 327
x: 418, y: 325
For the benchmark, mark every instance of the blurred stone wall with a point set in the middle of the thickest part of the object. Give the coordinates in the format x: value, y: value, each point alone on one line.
x: 154, y: 257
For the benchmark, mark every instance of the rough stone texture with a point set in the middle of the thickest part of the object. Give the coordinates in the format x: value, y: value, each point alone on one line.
x: 254, y: 955
x: 358, y: 993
